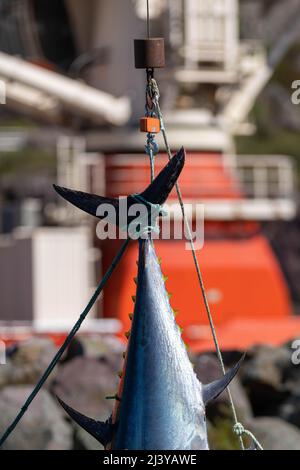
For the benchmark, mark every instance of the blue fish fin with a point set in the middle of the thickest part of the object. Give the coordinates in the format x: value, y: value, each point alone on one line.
x: 156, y: 193
x: 214, y: 389
x: 87, y: 202
x: 102, y: 431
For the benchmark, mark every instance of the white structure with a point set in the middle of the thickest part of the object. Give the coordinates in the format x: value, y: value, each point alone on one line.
x: 2, y: 92
x: 45, y: 276
x: 2, y: 353
x: 210, y: 32
x: 31, y: 86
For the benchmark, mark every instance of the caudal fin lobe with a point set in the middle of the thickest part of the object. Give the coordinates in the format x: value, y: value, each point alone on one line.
x: 156, y: 193
x: 214, y: 389
x: 102, y: 431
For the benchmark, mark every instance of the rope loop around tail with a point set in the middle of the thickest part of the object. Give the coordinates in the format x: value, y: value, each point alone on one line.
x: 145, y: 228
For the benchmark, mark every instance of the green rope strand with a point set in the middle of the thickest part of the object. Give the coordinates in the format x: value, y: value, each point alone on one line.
x: 239, y: 430
x: 66, y: 343
x: 152, y: 171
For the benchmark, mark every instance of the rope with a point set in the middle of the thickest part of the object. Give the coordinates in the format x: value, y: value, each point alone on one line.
x: 239, y: 430
x: 155, y: 211
x: 151, y: 149
x: 157, y: 207
x: 66, y: 343
x: 148, y: 20
x: 155, y: 95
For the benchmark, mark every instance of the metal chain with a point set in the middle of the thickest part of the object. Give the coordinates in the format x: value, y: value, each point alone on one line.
x: 151, y: 147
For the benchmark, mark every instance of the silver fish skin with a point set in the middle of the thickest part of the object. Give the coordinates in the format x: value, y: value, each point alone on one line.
x: 162, y: 406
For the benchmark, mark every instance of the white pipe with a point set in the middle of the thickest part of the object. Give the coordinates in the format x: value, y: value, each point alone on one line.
x: 75, y: 95
x: 30, y: 101
x: 239, y: 209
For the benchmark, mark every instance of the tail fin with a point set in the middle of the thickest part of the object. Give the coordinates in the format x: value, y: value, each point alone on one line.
x: 87, y: 202
x: 102, y: 431
x: 156, y: 193
x: 214, y: 389
x: 159, y: 190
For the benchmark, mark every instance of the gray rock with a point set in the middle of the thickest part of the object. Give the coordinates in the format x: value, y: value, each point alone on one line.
x: 275, y: 434
x: 241, y: 401
x: 207, y: 369
x: 290, y: 410
x: 43, y: 427
x: 263, y: 377
x: 27, y: 362
x: 75, y: 349
x: 84, y: 383
x: 108, y: 348
x: 84, y: 441
x: 97, y: 346
x: 267, y: 365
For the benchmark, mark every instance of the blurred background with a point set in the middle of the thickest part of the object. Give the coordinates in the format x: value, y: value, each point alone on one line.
x: 70, y: 116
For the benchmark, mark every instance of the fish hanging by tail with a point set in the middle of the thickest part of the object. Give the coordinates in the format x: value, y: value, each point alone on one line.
x: 160, y: 404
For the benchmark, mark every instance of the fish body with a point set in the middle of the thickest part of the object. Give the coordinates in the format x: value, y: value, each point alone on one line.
x: 160, y: 404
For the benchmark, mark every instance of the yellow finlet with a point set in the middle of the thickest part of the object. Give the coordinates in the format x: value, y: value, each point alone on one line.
x: 113, y: 397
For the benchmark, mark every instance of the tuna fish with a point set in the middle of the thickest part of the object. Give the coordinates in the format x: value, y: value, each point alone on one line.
x: 160, y: 404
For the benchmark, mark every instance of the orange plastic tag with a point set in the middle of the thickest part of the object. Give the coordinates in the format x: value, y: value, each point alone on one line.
x: 150, y: 124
